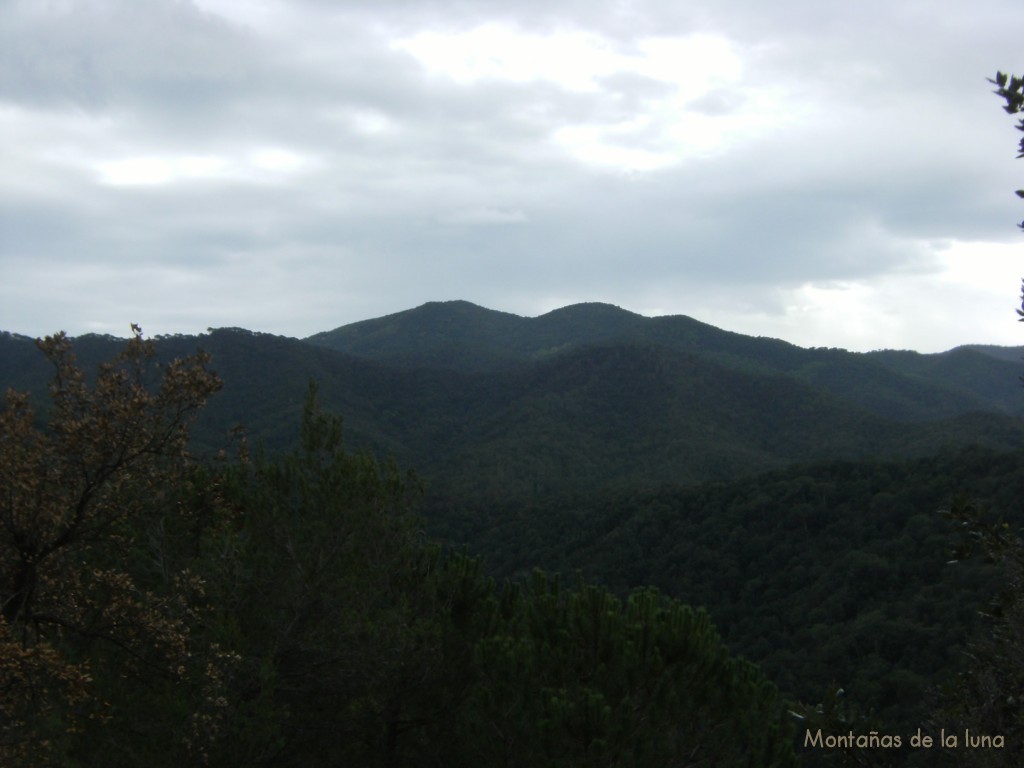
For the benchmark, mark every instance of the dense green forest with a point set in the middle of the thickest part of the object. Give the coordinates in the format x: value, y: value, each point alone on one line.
x: 594, y: 405
x: 285, y: 610
x: 727, y: 529
x: 832, y: 571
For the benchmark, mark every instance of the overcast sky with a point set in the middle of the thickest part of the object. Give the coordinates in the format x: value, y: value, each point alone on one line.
x: 833, y: 174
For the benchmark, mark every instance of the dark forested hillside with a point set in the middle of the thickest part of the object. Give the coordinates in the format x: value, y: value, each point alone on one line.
x: 792, y: 492
x: 901, y: 385
x: 463, y: 336
x: 285, y: 610
x: 593, y: 416
x: 1010, y: 354
x: 831, y: 572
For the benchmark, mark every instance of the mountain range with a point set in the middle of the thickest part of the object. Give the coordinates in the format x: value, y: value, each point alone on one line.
x: 791, y: 491
x: 488, y: 404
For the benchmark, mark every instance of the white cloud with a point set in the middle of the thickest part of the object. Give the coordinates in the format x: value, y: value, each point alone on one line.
x: 754, y: 166
x: 973, y: 287
x: 151, y: 171
x: 668, y: 124
x: 155, y: 170
x: 572, y: 59
x: 277, y: 160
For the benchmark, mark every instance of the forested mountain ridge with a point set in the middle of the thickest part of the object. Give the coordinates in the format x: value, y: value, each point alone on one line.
x: 1011, y: 354
x: 903, y: 385
x: 597, y: 456
x: 593, y: 415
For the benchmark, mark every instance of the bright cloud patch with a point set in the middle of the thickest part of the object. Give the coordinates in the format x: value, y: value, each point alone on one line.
x: 574, y: 60
x: 149, y: 171
x: 974, y: 286
x: 278, y: 160
x: 695, y: 64
x: 610, y: 146
x: 154, y: 170
x: 671, y: 122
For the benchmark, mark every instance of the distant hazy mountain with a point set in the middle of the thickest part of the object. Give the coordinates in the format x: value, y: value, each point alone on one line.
x: 490, y: 404
x: 1011, y: 354
x: 461, y: 336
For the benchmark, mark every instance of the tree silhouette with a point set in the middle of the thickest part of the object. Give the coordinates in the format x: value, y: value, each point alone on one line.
x: 88, y: 590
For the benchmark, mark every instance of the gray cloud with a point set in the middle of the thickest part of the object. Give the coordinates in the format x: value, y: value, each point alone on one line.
x: 214, y: 163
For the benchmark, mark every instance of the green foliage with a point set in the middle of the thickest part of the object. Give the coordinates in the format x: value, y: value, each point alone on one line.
x: 986, y: 696
x: 329, y: 595
x: 318, y: 620
x: 362, y: 642
x: 101, y: 613
x: 835, y: 571
x: 576, y: 678
x: 1011, y: 89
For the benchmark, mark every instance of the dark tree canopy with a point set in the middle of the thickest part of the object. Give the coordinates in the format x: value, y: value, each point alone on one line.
x: 1011, y: 89
x: 286, y: 610
x: 96, y: 604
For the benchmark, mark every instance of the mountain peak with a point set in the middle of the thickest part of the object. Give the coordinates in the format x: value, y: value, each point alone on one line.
x: 591, y: 309
x: 455, y: 308
x: 437, y: 334
x: 587, y: 323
